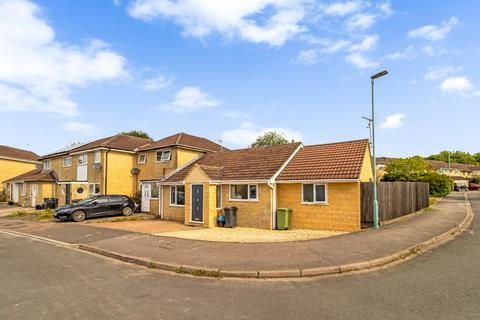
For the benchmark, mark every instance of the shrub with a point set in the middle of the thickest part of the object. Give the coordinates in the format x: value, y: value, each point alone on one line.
x: 3, y: 196
x: 440, y: 185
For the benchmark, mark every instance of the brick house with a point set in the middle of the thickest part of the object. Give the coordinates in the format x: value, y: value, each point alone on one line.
x: 321, y: 183
x: 14, y: 162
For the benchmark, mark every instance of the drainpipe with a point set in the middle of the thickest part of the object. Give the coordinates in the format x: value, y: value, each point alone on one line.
x: 273, y: 199
x: 105, y: 175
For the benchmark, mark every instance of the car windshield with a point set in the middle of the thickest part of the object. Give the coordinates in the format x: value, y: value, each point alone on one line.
x: 87, y: 201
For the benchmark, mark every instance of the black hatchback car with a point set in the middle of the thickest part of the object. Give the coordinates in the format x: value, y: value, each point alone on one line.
x: 96, y: 206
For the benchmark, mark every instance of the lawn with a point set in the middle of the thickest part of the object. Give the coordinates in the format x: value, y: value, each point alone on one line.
x: 39, y: 215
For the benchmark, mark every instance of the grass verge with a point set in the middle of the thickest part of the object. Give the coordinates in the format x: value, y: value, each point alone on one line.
x: 40, y: 215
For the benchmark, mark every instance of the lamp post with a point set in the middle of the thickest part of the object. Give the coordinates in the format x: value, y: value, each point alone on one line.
x: 375, y: 199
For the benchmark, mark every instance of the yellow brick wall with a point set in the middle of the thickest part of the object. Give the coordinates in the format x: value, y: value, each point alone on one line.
x: 170, y: 212
x: 252, y: 214
x: 119, y: 177
x: 154, y: 206
x: 366, y: 174
x: 45, y: 190
x: 151, y: 170
x: 342, y: 212
x: 184, y: 156
x: 12, y: 168
x: 65, y: 173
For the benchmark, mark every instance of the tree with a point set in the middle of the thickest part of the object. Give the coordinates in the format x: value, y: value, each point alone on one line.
x: 439, y: 184
x: 138, y: 134
x: 270, y: 138
x: 456, y: 157
x: 408, y: 169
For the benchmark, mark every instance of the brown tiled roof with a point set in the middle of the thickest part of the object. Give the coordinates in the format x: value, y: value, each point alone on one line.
x: 438, y: 164
x: 341, y: 160
x: 36, y: 175
x: 184, y: 140
x: 119, y: 141
x: 10, y: 152
x: 243, y: 164
x: 384, y: 160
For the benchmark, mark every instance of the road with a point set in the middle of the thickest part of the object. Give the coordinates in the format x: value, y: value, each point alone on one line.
x: 43, y: 281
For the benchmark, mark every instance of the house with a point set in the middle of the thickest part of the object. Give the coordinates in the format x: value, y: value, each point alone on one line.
x: 321, y: 183
x: 381, y: 166
x: 14, y: 162
x: 29, y: 189
x: 460, y: 173
x: 157, y: 159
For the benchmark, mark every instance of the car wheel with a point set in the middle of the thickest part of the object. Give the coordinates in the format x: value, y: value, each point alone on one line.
x: 78, y: 216
x: 127, y: 211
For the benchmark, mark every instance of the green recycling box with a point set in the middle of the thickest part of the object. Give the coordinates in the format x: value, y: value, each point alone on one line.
x: 283, y: 218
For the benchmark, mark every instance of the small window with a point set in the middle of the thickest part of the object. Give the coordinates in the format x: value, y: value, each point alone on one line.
x: 142, y: 158
x: 154, y: 191
x: 80, y: 190
x: 165, y: 155
x: 177, y: 195
x: 314, y: 193
x: 219, y: 197
x: 243, y: 192
x: 94, y: 188
x: 82, y: 159
x: 47, y: 164
x: 67, y: 162
x: 97, y: 157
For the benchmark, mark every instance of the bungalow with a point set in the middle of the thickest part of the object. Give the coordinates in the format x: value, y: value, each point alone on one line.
x: 29, y: 189
x: 321, y: 183
x: 14, y: 162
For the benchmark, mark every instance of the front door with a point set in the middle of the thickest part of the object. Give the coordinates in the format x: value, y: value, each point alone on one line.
x: 68, y: 193
x: 197, y: 203
x: 146, y: 195
x: 15, y: 191
x: 33, y: 194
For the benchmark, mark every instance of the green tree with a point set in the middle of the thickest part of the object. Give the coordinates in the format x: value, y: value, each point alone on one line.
x: 439, y: 184
x: 138, y: 134
x: 456, y: 157
x: 407, y: 169
x: 269, y: 139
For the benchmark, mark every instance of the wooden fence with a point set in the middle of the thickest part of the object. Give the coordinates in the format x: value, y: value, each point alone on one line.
x: 395, y: 199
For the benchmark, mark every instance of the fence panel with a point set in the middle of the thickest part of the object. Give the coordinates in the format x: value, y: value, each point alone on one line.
x: 395, y: 199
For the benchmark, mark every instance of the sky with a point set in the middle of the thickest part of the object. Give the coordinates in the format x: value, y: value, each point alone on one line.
x: 75, y: 71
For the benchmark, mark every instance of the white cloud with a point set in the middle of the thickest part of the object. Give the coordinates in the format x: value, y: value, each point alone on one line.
x: 307, y: 57
x: 247, y: 133
x: 236, y: 115
x: 456, y: 85
x: 342, y: 8
x: 259, y: 21
x: 407, y: 54
x: 368, y: 43
x: 432, y: 51
x: 190, y: 99
x: 386, y: 8
x: 434, y: 33
x: 117, y: 2
x: 336, y: 46
x: 361, y: 22
x: 38, y: 73
x: 360, y: 61
x: 79, y: 127
x: 438, y: 73
x: 393, y: 121
x: 156, y: 84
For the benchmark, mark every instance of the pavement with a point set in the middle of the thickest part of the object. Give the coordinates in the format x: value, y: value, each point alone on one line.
x: 344, y: 253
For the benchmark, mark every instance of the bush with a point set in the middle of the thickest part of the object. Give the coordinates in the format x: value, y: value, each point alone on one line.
x: 440, y: 185
x: 3, y: 196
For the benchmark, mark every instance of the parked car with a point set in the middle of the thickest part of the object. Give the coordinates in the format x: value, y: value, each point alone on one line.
x: 96, y: 206
x: 473, y: 186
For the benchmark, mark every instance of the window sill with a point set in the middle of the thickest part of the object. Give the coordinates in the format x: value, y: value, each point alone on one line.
x: 315, y: 203
x: 177, y: 205
x: 243, y: 200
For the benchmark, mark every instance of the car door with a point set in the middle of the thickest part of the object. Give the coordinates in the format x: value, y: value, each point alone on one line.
x: 99, y: 207
x: 115, y: 204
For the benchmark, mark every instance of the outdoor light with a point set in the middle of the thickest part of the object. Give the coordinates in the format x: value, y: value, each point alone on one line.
x: 375, y: 199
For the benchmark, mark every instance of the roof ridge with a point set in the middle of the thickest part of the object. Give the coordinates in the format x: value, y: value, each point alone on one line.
x: 180, y: 135
x: 339, y: 142
x: 109, y: 139
x: 262, y: 147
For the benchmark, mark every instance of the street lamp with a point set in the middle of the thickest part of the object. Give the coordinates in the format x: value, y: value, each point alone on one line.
x: 375, y: 199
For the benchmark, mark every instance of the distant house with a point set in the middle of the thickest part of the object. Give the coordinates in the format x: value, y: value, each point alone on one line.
x: 460, y: 173
x: 381, y: 165
x: 14, y: 162
x: 321, y: 183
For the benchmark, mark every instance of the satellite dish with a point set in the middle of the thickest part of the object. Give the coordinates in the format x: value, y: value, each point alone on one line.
x: 135, y: 171
x: 97, y: 166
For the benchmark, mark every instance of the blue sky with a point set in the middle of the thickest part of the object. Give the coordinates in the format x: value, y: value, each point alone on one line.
x: 74, y: 71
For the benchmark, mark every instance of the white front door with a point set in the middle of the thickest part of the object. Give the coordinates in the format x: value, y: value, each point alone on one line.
x: 82, y: 171
x: 146, y: 195
x: 15, y: 191
x: 33, y: 194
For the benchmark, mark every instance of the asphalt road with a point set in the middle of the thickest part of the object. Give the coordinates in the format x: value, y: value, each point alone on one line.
x: 42, y: 281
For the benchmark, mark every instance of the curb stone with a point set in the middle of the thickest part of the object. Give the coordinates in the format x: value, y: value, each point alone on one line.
x: 275, y: 274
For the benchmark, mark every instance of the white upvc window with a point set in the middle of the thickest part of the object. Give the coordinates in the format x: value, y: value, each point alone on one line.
x: 94, y: 188
x: 67, y: 161
x: 177, y: 196
x: 219, y: 197
x: 164, y: 155
x: 243, y: 192
x: 82, y: 159
x: 314, y: 193
x: 97, y: 158
x: 142, y: 158
x: 47, y: 164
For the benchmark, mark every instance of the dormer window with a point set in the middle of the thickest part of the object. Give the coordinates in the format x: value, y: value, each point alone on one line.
x: 142, y: 158
x: 47, y: 164
x: 165, y: 155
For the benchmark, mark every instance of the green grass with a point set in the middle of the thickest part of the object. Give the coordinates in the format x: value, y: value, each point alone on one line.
x: 133, y: 217
x: 40, y: 215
